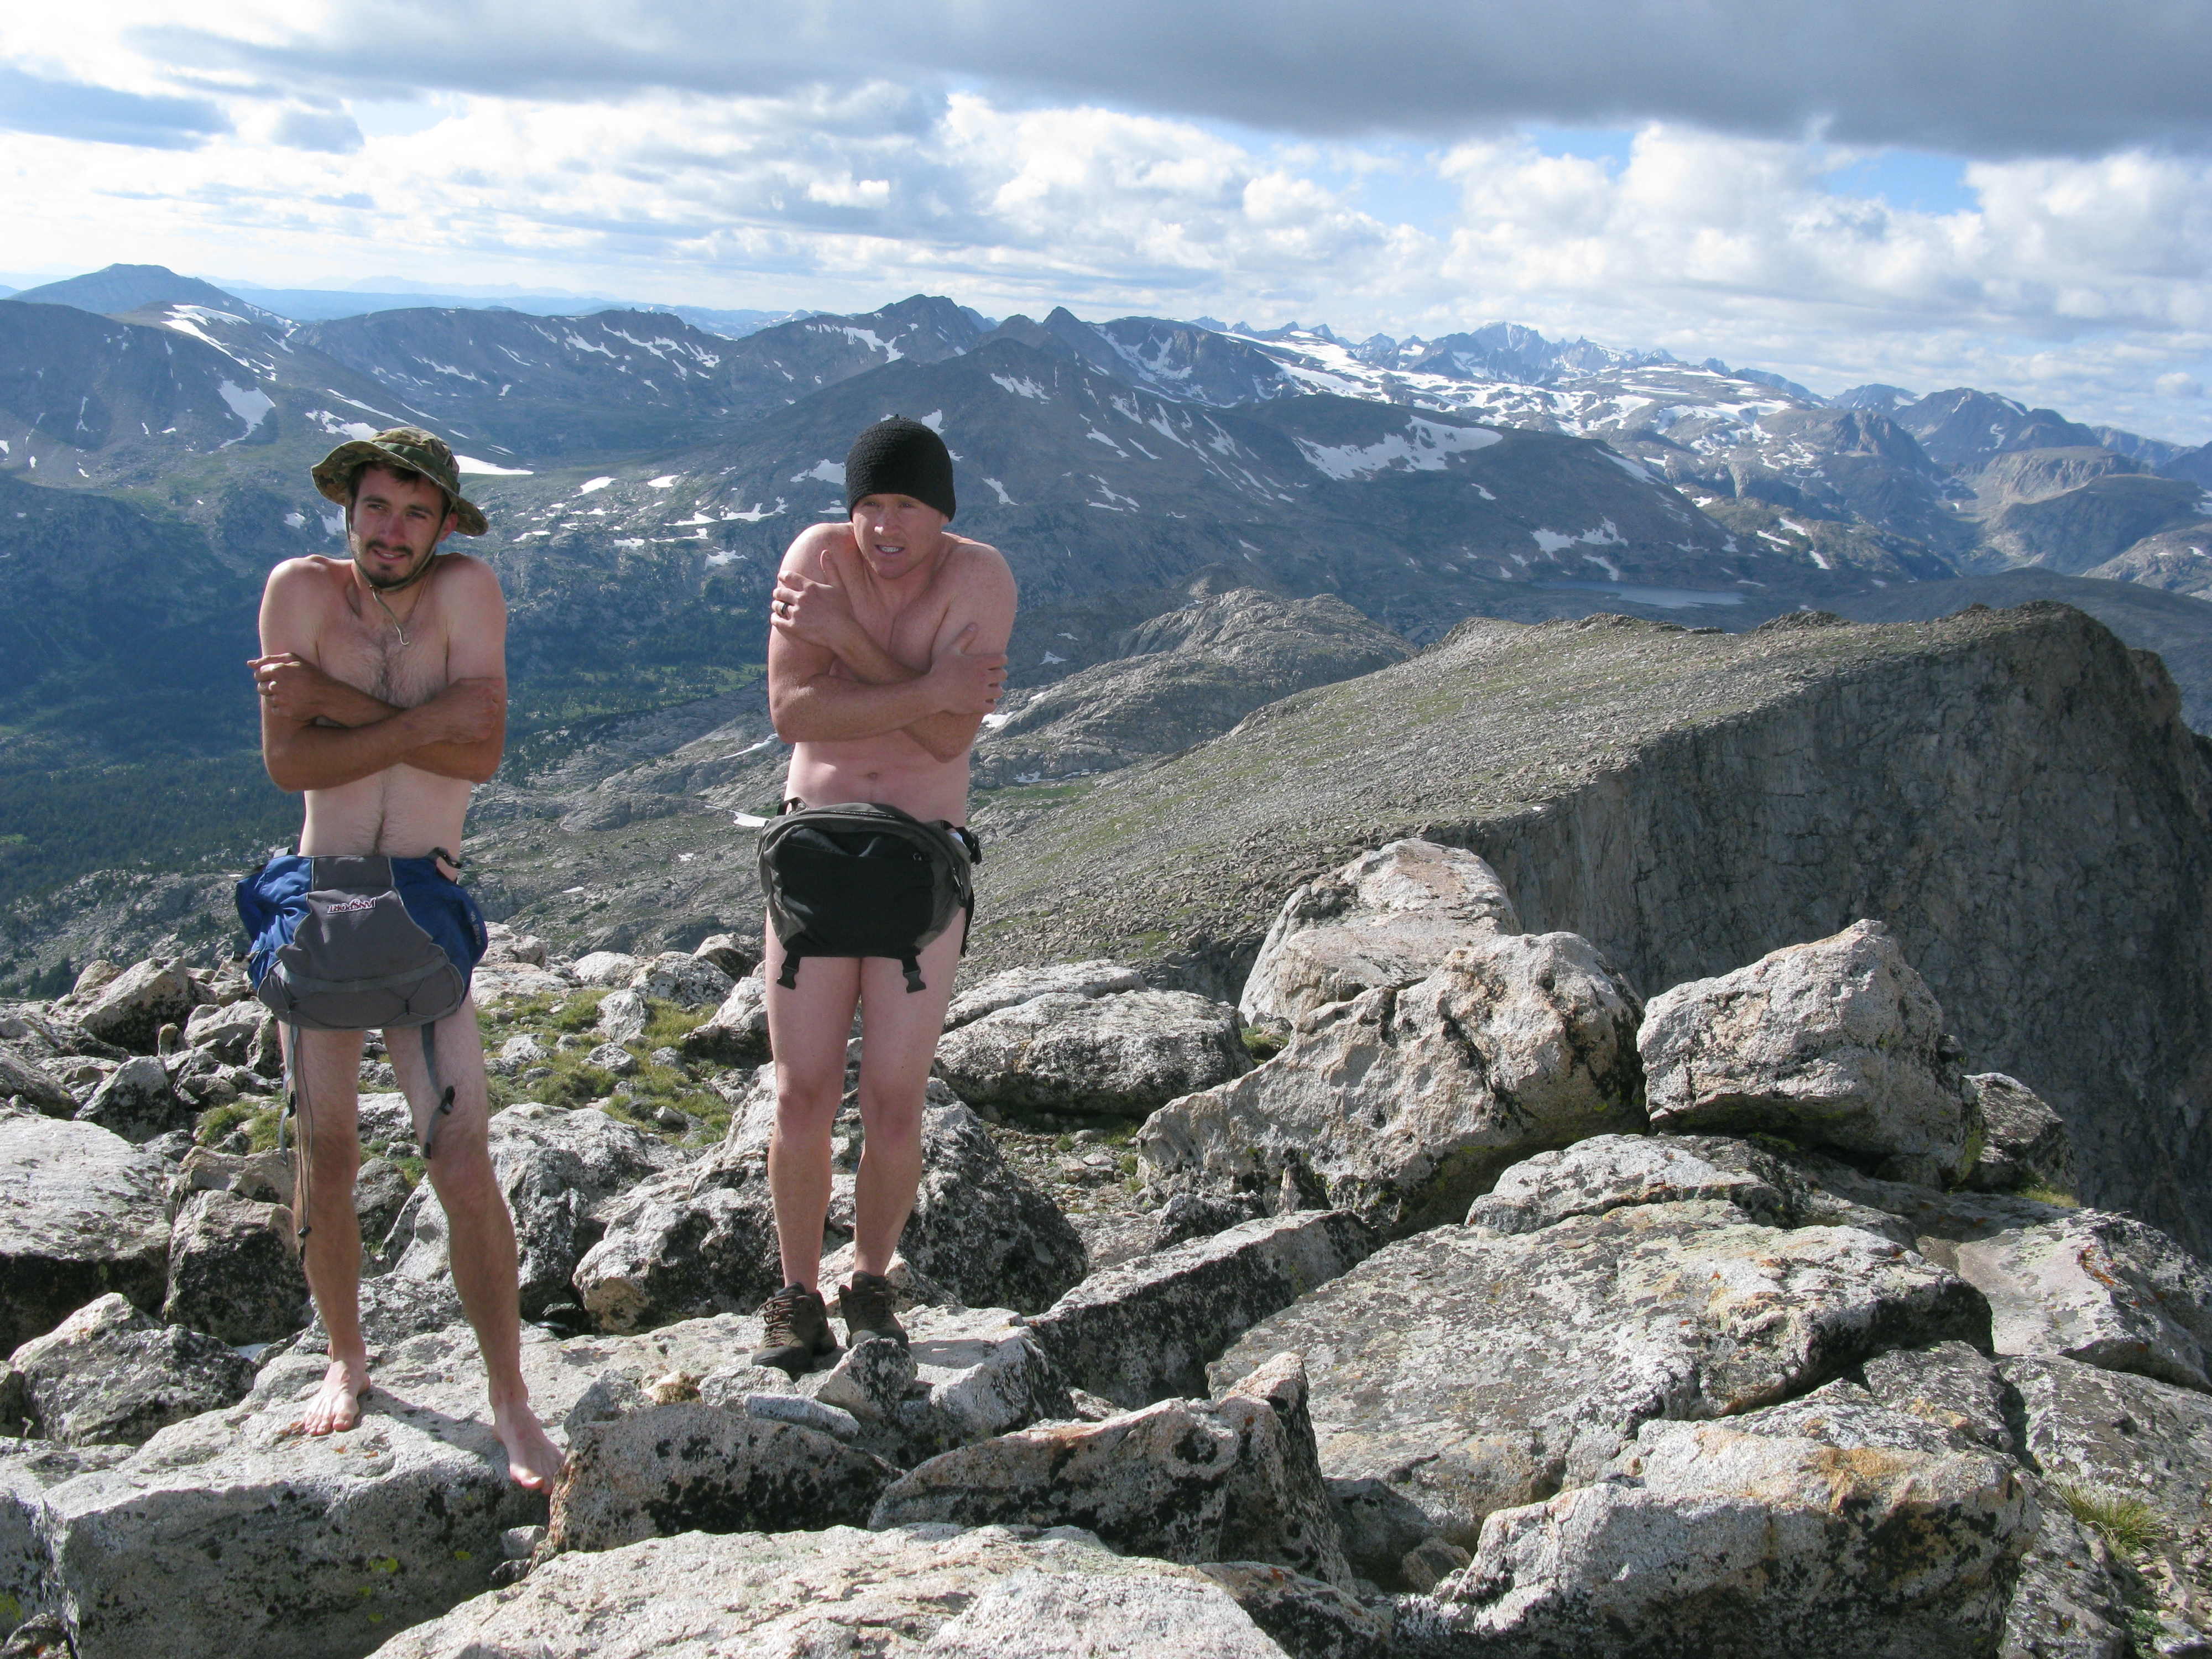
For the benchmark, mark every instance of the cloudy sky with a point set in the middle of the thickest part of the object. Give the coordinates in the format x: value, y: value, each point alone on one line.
x: 2010, y: 194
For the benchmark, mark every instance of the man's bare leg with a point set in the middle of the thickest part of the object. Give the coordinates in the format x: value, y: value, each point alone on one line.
x: 326, y: 1073
x: 808, y: 1028
x: 480, y: 1232
x: 899, y: 1029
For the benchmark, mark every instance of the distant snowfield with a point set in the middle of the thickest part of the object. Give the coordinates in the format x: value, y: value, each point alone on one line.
x: 1424, y: 446
x: 249, y: 405
x: 471, y: 464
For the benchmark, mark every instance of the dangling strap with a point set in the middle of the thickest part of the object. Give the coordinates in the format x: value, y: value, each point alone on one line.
x: 295, y: 1105
x: 443, y: 1095
x: 912, y: 963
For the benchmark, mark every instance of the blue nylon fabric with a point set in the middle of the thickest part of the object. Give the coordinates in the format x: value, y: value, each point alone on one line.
x: 271, y: 902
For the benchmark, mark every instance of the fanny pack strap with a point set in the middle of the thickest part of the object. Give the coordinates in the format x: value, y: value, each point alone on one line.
x: 295, y: 1106
x: 444, y: 1097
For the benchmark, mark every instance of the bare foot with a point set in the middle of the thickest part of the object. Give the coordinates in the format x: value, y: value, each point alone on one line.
x: 532, y: 1459
x: 337, y: 1405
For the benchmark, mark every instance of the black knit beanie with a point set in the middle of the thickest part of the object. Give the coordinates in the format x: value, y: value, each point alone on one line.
x: 899, y: 457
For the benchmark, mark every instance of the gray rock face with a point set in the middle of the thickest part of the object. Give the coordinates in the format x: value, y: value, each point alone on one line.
x: 505, y: 946
x: 622, y: 1016
x: 304, y: 1527
x: 554, y: 1168
x: 698, y: 1240
x: 737, y: 1034
x: 1146, y: 1329
x: 1389, y: 917
x: 838, y: 1590
x: 609, y: 967
x: 233, y: 1270
x: 1474, y: 1372
x: 1951, y: 1385
x: 2071, y: 1599
x: 1836, y: 1044
x: 2104, y: 1289
x: 20, y: 1075
x: 979, y: 1228
x: 1306, y: 1617
x: 130, y: 1009
x: 233, y: 1032
x: 735, y: 957
x: 1128, y: 1053
x: 1798, y: 763
x: 2024, y: 1143
x: 81, y: 1213
x: 1829, y: 1525
x: 1018, y: 985
x: 1180, y: 1480
x: 27, y: 1470
x: 1404, y: 1104
x: 702, y: 1238
x: 410, y: 1506
x: 693, y: 1467
x: 1609, y: 1171
x: 108, y: 1374
x: 380, y: 1192
x: 613, y: 1058
x: 2117, y: 1432
x: 1039, y: 1616
x: 135, y: 1101
x: 687, y: 980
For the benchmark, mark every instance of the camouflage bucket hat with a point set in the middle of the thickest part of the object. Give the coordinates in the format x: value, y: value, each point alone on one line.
x: 409, y: 449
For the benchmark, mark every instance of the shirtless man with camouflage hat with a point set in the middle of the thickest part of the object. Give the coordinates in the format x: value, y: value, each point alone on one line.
x: 383, y: 685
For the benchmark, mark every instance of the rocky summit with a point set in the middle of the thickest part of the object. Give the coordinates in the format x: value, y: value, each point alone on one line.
x: 1466, y: 1302
x: 1687, y: 802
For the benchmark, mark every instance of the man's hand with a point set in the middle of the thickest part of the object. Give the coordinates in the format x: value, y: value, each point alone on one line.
x: 293, y: 689
x: 962, y: 682
x: 816, y: 612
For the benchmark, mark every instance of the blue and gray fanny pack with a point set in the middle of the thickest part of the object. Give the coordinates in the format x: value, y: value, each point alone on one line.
x: 359, y: 944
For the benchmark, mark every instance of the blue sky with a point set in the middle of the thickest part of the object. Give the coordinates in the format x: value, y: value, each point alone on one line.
x: 1985, y: 194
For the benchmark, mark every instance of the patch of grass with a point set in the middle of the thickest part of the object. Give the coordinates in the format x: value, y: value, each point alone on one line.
x: 2043, y: 1194
x: 667, y: 1025
x: 258, y: 1117
x: 1263, y: 1043
x: 2128, y: 1524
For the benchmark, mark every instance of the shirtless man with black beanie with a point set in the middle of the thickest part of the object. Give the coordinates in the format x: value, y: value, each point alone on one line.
x: 886, y: 647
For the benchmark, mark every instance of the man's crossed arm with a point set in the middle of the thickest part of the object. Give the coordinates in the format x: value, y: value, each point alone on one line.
x: 941, y: 706
x: 318, y: 732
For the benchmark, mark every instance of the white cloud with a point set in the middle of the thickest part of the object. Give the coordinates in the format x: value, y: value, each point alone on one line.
x: 2078, y: 281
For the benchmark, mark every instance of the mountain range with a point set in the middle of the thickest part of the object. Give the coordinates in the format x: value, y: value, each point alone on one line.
x: 642, y: 475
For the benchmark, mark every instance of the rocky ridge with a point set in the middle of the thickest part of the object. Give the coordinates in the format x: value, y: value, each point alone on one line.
x: 1722, y: 795
x: 1349, y: 1391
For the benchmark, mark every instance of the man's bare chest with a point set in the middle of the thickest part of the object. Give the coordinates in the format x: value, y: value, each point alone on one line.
x: 404, y: 667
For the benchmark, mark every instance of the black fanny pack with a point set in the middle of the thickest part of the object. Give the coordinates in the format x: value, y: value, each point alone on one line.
x: 863, y: 880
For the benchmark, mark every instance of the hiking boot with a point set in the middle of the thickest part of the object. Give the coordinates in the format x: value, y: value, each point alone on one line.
x: 865, y: 1307
x: 798, y: 1331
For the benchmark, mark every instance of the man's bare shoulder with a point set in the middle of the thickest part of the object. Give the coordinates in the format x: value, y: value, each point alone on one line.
x: 972, y: 563
x: 812, y: 549
x: 307, y: 578
x: 465, y: 580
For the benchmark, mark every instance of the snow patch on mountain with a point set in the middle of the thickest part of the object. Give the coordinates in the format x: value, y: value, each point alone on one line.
x: 1424, y: 446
